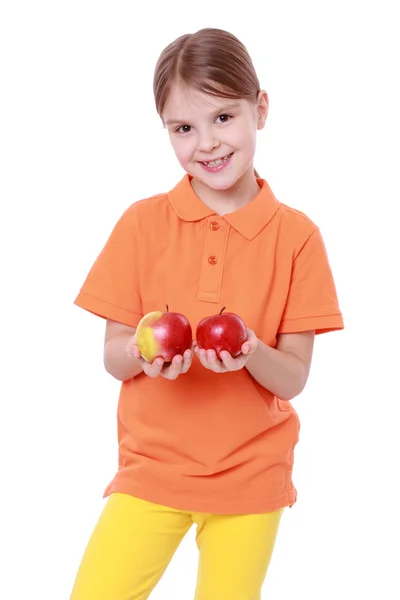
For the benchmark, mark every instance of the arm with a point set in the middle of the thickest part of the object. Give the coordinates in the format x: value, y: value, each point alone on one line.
x: 117, y: 361
x: 283, y: 370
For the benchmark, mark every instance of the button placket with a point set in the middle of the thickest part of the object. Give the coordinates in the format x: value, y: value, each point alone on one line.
x: 213, y: 260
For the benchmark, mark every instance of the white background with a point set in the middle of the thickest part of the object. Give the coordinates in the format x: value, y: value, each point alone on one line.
x: 80, y: 141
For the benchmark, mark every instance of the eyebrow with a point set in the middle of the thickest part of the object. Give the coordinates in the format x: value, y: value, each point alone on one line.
x: 220, y: 111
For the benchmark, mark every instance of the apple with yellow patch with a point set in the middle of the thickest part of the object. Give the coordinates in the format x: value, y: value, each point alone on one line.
x: 163, y: 335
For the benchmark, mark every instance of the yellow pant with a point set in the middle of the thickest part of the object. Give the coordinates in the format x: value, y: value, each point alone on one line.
x: 134, y: 541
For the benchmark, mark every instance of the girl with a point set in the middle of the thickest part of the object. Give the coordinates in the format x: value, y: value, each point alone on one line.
x: 203, y: 440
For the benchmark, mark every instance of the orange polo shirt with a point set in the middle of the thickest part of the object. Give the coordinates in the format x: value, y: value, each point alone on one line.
x: 208, y: 442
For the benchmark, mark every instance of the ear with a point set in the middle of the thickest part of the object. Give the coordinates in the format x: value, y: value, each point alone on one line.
x: 262, y: 109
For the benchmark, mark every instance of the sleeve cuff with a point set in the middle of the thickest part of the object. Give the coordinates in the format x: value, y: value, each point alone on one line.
x: 103, y: 309
x: 321, y: 324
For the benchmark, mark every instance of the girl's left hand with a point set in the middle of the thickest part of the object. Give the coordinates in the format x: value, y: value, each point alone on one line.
x: 209, y: 360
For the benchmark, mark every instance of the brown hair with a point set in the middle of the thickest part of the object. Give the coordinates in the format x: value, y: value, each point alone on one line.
x: 212, y: 61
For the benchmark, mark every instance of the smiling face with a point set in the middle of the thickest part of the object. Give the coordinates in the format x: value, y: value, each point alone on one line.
x: 214, y: 138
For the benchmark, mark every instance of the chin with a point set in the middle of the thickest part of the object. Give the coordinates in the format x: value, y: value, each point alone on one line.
x: 216, y: 182
x: 222, y: 186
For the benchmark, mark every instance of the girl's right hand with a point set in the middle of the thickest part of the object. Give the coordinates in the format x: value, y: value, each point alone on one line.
x: 178, y: 366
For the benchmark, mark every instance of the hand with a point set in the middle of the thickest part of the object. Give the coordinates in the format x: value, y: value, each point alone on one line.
x: 209, y: 360
x: 178, y: 366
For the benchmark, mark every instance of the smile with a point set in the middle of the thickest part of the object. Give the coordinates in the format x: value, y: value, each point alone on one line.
x: 216, y: 163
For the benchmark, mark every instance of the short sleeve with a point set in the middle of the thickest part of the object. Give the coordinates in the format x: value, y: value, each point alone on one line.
x: 111, y: 289
x: 312, y: 302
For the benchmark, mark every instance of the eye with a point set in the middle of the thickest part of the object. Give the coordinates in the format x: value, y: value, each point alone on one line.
x: 224, y: 118
x: 183, y: 129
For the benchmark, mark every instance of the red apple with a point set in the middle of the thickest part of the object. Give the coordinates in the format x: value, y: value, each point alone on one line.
x: 225, y: 331
x: 163, y: 334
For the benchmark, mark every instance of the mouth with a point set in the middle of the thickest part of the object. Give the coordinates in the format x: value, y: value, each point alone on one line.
x: 212, y: 164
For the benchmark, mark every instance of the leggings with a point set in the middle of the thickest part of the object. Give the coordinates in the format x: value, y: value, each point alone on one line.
x: 134, y: 541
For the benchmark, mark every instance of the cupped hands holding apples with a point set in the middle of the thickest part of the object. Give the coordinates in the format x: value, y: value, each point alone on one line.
x: 164, y: 345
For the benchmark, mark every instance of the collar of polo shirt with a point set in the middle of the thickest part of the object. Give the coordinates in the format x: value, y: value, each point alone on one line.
x: 248, y: 220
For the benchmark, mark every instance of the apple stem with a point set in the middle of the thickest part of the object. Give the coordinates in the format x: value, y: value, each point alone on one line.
x: 166, y: 306
x: 222, y: 310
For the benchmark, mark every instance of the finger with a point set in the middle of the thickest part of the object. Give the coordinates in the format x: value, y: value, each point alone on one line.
x: 202, y: 354
x: 250, y: 345
x: 213, y: 361
x: 153, y: 369
x: 187, y: 361
x: 230, y: 363
x: 174, y: 369
x: 142, y: 362
x: 135, y: 352
x: 131, y: 349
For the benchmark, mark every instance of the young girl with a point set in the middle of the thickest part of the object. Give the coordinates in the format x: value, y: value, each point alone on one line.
x: 201, y: 440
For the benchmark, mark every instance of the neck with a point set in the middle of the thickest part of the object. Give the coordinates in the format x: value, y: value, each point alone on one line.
x: 227, y: 201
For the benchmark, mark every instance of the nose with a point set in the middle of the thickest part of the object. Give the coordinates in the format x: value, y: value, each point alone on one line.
x: 207, y: 141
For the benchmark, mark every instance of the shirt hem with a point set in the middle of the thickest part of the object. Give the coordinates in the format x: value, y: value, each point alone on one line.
x: 199, y: 505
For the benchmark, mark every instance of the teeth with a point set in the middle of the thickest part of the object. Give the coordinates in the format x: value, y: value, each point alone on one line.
x: 215, y: 163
